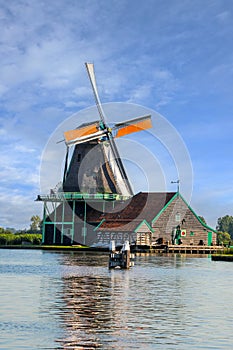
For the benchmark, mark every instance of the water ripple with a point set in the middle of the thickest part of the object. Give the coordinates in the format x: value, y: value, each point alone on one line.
x: 72, y: 301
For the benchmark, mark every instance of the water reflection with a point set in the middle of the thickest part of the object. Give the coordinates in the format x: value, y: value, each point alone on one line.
x: 72, y: 301
x: 86, y: 310
x: 122, y: 309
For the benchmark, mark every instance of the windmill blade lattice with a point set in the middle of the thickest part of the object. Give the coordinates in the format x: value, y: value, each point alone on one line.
x: 94, y: 130
x: 91, y: 74
x: 133, y: 125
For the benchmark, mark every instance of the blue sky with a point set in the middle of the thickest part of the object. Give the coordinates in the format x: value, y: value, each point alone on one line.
x: 174, y: 57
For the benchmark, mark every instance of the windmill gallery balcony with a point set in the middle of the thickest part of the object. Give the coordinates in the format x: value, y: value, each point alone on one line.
x: 69, y: 196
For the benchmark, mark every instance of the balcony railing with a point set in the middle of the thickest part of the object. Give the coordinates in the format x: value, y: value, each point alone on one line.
x: 69, y: 196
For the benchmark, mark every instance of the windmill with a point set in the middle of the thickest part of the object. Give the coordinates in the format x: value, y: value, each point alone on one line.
x: 96, y: 166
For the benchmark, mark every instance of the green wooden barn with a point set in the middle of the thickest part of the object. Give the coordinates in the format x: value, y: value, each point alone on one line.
x: 150, y: 218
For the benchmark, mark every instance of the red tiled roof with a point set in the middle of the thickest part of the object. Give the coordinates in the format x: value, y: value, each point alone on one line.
x: 143, y: 205
x: 130, y: 213
x: 122, y: 226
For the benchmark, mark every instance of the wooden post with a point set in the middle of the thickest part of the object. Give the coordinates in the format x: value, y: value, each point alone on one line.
x: 120, y: 259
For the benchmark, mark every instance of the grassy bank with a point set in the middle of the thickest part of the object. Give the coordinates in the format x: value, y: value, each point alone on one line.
x: 222, y: 257
x: 225, y: 255
x: 227, y: 251
x: 20, y: 239
x: 53, y: 247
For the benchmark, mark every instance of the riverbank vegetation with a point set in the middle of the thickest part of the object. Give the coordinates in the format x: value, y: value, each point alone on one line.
x: 33, y: 236
x: 225, y: 230
x: 225, y: 255
x: 227, y: 251
x: 20, y: 238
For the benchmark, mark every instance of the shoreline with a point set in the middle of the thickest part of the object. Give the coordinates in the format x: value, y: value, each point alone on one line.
x: 213, y: 251
x: 220, y: 257
x: 55, y: 248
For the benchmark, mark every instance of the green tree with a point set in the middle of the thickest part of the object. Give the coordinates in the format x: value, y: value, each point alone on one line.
x: 35, y: 223
x: 4, y: 231
x: 224, y: 238
x: 225, y: 224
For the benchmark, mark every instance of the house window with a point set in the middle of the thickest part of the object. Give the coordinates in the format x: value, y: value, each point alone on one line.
x: 177, y: 217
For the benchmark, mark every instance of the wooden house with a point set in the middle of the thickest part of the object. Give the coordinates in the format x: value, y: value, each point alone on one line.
x: 137, y: 232
x: 162, y: 217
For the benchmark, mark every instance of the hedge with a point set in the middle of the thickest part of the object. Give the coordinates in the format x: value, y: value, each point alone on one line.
x: 18, y: 239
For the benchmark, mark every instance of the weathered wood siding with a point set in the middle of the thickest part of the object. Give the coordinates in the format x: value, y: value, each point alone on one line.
x: 104, y: 238
x: 178, y: 213
x: 144, y: 236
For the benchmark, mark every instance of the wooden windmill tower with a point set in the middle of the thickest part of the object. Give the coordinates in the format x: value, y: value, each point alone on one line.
x: 96, y: 166
x: 94, y: 173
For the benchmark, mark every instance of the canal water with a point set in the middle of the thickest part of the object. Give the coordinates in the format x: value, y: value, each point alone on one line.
x: 59, y: 300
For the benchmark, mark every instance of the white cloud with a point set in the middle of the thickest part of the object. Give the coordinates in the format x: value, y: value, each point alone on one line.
x: 224, y: 16
x: 161, y: 87
x: 82, y: 91
x: 24, y: 149
x: 141, y: 93
x: 16, y: 209
x: 210, y: 204
x: 147, y: 53
x: 3, y: 89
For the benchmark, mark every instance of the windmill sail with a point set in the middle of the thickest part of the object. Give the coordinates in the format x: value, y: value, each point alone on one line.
x: 121, y: 180
x: 95, y: 130
x: 134, y: 125
x: 91, y: 74
x: 85, y: 130
x: 117, y: 160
